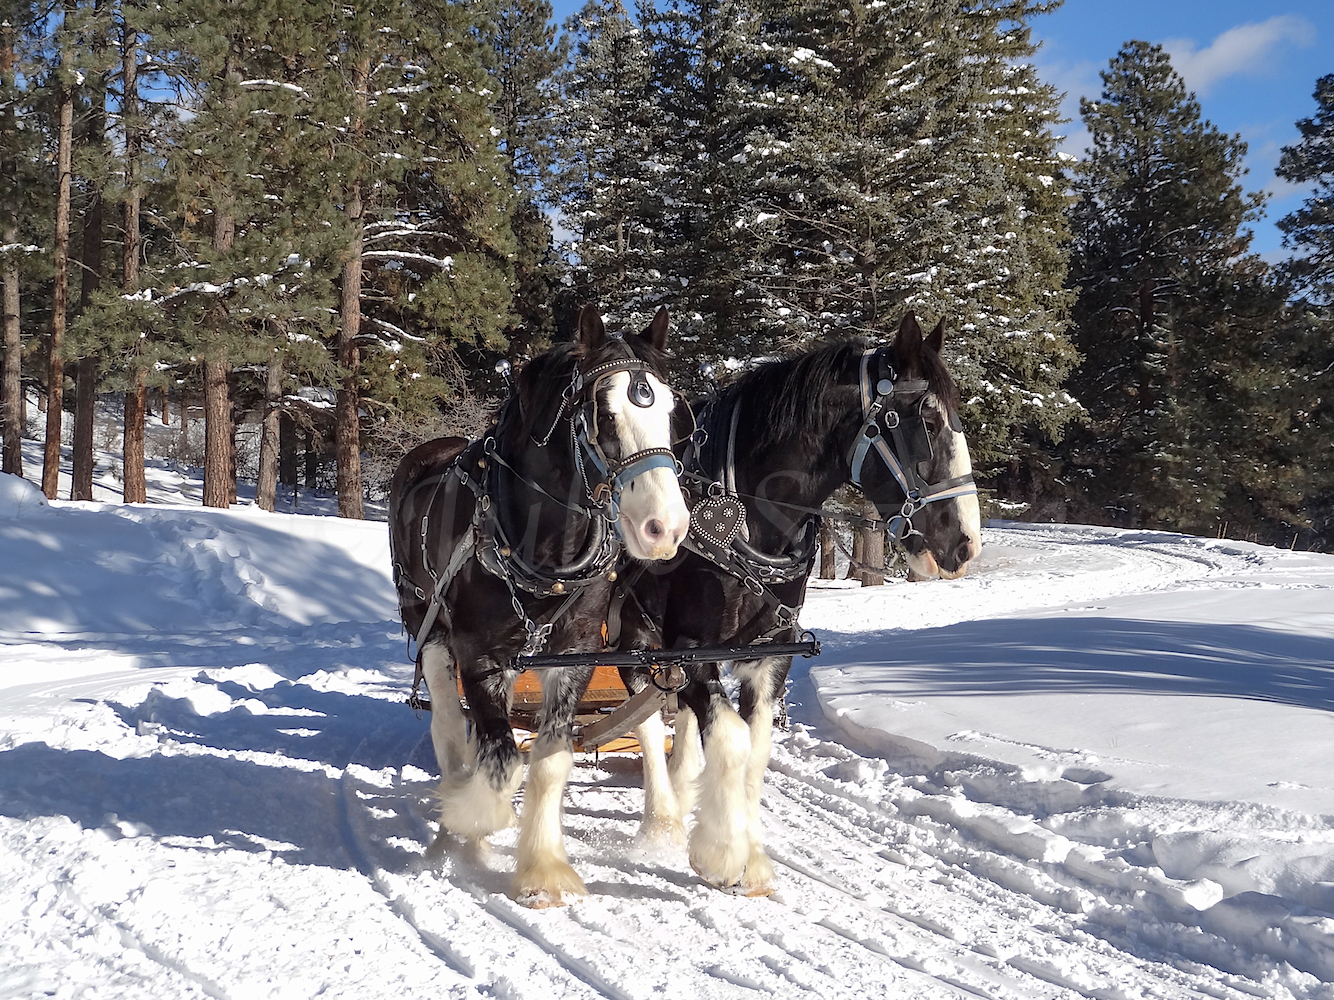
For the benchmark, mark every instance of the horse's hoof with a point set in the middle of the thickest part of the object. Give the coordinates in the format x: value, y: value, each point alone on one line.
x: 661, y: 831
x: 719, y: 864
x: 743, y: 886
x: 547, y: 884
x: 540, y: 900
x: 758, y: 879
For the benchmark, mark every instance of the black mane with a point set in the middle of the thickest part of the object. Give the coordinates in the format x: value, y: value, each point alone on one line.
x: 788, y: 398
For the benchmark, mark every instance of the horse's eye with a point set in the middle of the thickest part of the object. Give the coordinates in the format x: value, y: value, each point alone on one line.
x: 640, y: 391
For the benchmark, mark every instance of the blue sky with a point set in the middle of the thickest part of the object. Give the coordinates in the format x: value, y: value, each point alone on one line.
x: 1253, y: 67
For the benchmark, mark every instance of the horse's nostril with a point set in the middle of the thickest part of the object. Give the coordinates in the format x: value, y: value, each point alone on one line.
x: 964, y: 552
x: 654, y: 528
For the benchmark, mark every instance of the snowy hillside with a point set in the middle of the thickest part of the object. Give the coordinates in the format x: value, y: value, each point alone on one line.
x: 1097, y: 767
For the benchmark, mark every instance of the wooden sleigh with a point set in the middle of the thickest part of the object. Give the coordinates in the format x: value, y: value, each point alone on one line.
x: 608, y: 713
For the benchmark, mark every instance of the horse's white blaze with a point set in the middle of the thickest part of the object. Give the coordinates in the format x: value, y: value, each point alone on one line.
x: 449, y: 730
x: 654, y: 518
x: 662, y: 813
x: 542, y: 871
x: 719, y: 845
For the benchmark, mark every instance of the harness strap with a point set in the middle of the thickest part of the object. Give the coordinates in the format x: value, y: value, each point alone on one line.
x: 456, y: 560
x: 915, y: 489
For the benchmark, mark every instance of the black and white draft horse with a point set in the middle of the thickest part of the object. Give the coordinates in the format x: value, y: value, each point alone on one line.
x: 507, y: 546
x: 782, y: 438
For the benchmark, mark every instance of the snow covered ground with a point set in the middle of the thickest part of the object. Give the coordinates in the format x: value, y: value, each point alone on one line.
x: 1097, y: 767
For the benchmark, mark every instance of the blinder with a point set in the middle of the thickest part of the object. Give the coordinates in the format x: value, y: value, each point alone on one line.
x: 615, y: 475
x: 640, y: 390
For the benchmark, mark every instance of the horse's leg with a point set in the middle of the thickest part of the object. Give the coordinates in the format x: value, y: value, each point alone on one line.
x: 687, y: 760
x: 542, y: 871
x: 449, y: 729
x: 662, y: 814
x: 761, y: 682
x: 719, y: 847
x: 479, y: 801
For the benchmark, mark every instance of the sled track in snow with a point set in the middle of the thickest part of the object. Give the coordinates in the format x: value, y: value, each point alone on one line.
x: 873, y: 901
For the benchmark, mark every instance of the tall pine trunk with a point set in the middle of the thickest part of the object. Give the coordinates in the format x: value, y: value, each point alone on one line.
x: 55, y: 374
x: 828, y: 564
x: 11, y: 384
x: 267, y: 486
x: 217, y: 400
x: 858, y: 555
x: 286, y: 449
x: 85, y: 401
x: 94, y: 218
x: 136, y: 396
x: 873, y: 550
x: 347, y: 424
x: 12, y: 416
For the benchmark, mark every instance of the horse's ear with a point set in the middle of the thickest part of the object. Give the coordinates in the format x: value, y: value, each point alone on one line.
x: 656, y: 332
x: 592, y: 334
x: 936, y: 338
x: 908, y: 343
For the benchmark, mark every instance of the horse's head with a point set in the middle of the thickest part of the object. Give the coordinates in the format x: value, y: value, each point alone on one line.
x: 921, y: 467
x: 629, y: 425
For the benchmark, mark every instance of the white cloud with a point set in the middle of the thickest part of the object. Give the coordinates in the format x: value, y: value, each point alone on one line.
x: 1073, y: 80
x: 1248, y: 49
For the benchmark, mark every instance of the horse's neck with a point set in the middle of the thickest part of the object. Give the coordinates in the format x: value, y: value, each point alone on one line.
x: 542, y: 529
x: 804, y: 468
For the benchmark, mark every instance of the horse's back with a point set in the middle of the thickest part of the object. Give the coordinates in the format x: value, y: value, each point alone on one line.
x: 428, y: 458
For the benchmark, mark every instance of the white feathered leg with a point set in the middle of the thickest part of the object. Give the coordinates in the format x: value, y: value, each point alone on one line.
x: 687, y: 761
x: 760, y: 684
x: 662, y: 814
x: 449, y: 729
x: 758, y: 880
x: 542, y: 872
x: 473, y: 802
x: 719, y: 846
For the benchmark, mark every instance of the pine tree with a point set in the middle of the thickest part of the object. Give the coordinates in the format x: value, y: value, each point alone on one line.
x: 438, y: 247
x: 1172, y: 312
x: 20, y: 204
x: 522, y: 52
x: 920, y: 171
x: 1310, y: 229
x: 606, y: 183
x: 1010, y: 303
x: 1309, y: 232
x: 717, y: 66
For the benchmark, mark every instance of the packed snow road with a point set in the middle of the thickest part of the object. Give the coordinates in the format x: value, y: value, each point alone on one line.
x: 210, y: 786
